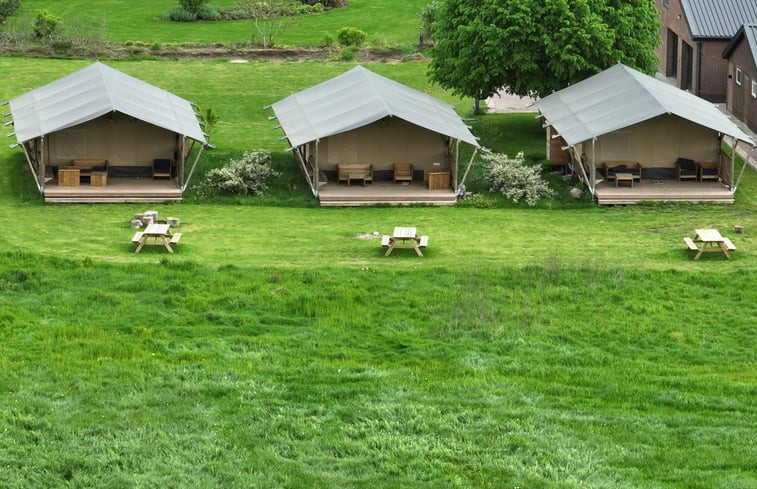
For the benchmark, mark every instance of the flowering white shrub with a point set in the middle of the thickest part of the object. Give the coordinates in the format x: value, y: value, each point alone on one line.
x: 516, y: 181
x: 247, y: 176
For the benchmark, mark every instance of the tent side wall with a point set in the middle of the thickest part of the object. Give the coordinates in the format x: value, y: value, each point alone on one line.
x: 127, y: 143
x: 656, y: 144
x: 383, y: 143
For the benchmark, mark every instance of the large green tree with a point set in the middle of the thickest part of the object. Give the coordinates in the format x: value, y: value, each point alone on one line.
x: 535, y: 47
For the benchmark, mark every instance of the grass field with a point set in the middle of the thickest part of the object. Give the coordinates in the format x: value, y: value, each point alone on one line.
x: 557, y: 347
x: 388, y: 23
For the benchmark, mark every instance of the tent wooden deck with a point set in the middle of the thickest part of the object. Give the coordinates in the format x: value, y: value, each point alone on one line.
x: 665, y: 190
x: 383, y: 192
x: 117, y: 190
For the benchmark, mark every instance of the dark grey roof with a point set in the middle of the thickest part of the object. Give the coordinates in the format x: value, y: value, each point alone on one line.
x: 748, y: 33
x: 718, y: 19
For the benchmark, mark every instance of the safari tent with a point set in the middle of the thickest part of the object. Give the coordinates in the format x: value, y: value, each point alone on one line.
x: 363, y: 118
x: 99, y: 135
x: 623, y: 117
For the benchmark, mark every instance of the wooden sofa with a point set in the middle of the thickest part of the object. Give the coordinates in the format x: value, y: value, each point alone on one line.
x: 612, y: 167
x: 87, y: 165
x: 354, y: 171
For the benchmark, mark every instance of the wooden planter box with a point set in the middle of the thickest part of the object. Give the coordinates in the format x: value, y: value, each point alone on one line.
x: 68, y: 177
x: 98, y: 179
x: 438, y: 180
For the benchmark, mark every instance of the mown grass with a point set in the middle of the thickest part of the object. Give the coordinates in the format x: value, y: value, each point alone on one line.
x: 536, y: 348
x: 389, y: 23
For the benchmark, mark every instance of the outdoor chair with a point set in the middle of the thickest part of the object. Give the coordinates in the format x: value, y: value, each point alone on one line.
x: 161, y: 168
x: 687, y: 169
x: 708, y: 170
x: 403, y: 172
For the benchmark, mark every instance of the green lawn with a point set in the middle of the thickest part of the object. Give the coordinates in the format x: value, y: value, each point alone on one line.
x: 567, y: 346
x: 386, y: 23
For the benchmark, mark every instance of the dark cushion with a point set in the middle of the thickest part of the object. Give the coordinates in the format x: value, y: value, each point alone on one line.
x: 709, y: 171
x: 618, y: 169
x: 686, y: 164
x: 160, y: 164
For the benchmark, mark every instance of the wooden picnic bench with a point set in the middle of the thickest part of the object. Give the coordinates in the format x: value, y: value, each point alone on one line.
x: 404, y: 238
x: 709, y: 241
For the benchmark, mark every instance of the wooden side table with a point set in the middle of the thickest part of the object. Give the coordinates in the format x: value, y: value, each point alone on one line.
x: 68, y: 177
x: 624, y: 177
x: 98, y: 179
x: 438, y: 180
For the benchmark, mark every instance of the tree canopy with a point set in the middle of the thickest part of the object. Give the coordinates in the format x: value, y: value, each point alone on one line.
x: 535, y: 47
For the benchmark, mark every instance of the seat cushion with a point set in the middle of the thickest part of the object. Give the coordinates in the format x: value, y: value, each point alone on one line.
x: 686, y: 164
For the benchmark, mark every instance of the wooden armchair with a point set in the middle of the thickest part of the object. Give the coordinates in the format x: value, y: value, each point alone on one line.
x: 708, y: 170
x: 403, y: 172
x: 686, y: 169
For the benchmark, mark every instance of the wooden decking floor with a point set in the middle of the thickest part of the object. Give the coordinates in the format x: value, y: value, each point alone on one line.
x: 381, y: 192
x: 118, y: 190
x: 663, y: 190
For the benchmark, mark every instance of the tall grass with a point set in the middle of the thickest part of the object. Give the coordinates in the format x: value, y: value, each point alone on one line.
x: 550, y: 375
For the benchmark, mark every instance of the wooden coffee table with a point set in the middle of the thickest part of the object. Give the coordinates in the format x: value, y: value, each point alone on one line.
x: 624, y: 177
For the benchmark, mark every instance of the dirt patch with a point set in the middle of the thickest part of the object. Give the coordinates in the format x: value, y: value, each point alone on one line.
x: 373, y: 235
x: 210, y: 51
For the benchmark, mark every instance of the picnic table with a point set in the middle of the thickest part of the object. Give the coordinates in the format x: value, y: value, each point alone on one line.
x: 404, y: 237
x: 709, y: 241
x: 156, y: 234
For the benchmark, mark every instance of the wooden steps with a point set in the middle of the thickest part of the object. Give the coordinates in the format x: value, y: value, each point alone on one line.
x: 118, y: 190
x: 664, y: 191
x: 383, y: 193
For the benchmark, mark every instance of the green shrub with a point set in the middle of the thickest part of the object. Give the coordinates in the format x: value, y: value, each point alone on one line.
x: 428, y: 17
x: 321, y: 4
x: 350, y: 36
x: 209, y: 12
x: 209, y: 119
x: 179, y: 14
x: 193, y: 6
x: 62, y: 46
x: 327, y: 41
x: 516, y: 181
x: 348, y: 53
x: 45, y: 24
x: 246, y: 176
x: 8, y: 8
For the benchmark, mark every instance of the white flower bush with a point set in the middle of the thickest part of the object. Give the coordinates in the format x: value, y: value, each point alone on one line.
x: 246, y: 176
x: 515, y: 180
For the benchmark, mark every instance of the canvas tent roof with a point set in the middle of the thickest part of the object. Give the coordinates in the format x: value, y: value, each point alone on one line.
x: 357, y: 98
x: 620, y: 97
x: 94, y: 91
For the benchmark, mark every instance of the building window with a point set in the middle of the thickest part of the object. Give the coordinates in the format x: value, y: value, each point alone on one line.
x: 754, y: 89
x: 738, y: 76
x: 666, y: 3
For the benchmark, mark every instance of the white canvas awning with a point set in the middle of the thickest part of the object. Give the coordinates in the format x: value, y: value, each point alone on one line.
x: 94, y: 91
x: 620, y: 97
x: 357, y: 98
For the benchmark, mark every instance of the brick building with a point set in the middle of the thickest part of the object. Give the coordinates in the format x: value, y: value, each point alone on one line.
x: 741, y: 56
x: 694, y: 34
